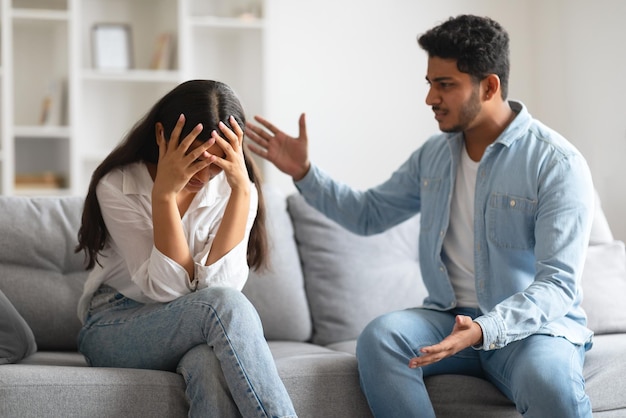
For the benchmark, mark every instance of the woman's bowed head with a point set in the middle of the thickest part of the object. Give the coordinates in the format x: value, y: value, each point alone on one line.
x: 189, y: 136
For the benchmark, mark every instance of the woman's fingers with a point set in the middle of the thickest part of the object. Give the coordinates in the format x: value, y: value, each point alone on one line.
x: 178, y: 128
x: 188, y: 140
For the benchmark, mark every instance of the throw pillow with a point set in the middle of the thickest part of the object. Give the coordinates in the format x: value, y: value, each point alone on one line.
x: 41, y: 274
x: 604, y: 287
x: 352, y: 279
x: 278, y: 292
x: 16, y: 338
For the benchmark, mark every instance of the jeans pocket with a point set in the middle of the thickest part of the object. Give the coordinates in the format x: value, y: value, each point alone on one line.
x: 104, y: 298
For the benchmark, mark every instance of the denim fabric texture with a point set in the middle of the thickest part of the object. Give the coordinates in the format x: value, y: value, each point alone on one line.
x: 212, y: 337
x: 533, y: 211
x: 534, y: 203
x: 550, y: 382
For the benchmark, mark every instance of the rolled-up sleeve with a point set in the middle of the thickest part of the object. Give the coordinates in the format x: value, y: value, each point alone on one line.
x: 138, y: 269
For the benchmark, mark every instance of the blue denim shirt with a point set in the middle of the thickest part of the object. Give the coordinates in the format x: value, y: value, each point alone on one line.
x: 533, y: 211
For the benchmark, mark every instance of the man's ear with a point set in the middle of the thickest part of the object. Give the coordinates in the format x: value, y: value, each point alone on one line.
x: 491, y: 85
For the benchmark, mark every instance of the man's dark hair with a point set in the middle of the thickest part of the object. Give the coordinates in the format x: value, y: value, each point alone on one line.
x: 479, y: 44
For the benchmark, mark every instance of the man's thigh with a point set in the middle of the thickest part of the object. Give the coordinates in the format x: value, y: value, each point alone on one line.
x: 537, y: 361
x: 424, y: 327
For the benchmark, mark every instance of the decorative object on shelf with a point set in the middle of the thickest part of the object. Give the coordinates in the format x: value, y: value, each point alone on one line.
x: 53, y: 104
x: 252, y: 10
x: 163, y: 52
x: 44, y: 180
x: 46, y: 105
x: 112, y: 46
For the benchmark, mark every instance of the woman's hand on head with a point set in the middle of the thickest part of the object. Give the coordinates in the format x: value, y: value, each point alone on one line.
x: 176, y: 166
x: 288, y: 154
x: 233, y: 163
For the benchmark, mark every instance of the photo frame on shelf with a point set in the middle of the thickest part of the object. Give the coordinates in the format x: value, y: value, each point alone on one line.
x: 112, y: 46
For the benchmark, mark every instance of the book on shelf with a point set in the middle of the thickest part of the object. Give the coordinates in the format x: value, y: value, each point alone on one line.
x: 44, y: 180
x: 163, y: 52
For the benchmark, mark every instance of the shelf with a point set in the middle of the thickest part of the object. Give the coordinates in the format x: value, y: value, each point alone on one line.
x: 144, y: 76
x: 45, y: 131
x: 61, y: 113
x: 227, y: 22
x: 40, y: 14
x: 41, y: 191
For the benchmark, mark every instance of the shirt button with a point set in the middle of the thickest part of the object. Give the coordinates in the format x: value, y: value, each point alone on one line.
x: 492, y: 346
x: 512, y: 203
x: 425, y: 182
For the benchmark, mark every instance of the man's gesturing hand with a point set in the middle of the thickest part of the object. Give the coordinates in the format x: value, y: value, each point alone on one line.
x: 465, y: 333
x: 288, y: 154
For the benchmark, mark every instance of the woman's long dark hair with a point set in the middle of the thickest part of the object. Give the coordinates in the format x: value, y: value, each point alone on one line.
x: 201, y: 101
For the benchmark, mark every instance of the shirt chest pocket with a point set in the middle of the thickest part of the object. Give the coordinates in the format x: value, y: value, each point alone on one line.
x: 511, y: 221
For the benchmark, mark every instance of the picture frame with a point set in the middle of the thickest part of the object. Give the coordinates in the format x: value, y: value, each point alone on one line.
x: 112, y: 46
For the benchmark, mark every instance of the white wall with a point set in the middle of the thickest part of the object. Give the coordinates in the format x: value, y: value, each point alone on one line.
x: 578, y: 82
x: 356, y: 70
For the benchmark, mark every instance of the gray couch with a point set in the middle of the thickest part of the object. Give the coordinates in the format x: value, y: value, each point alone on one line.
x: 324, y: 286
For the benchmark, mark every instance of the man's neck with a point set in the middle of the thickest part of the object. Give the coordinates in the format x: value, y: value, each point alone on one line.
x: 493, y: 122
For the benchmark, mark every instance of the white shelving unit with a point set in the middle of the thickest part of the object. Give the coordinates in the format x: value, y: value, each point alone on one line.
x: 60, y: 116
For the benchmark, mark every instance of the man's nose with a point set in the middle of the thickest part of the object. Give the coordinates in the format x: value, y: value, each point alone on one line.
x: 432, y: 97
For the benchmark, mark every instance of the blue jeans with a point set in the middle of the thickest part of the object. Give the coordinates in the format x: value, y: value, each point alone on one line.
x: 212, y: 337
x: 541, y: 374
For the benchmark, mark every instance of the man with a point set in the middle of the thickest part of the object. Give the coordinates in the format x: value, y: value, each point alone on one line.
x: 506, y: 206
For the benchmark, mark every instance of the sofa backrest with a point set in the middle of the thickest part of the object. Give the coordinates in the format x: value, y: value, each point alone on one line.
x: 324, y: 283
x: 350, y: 279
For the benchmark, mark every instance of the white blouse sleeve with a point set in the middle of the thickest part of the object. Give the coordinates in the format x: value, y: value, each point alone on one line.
x: 232, y: 269
x: 128, y: 219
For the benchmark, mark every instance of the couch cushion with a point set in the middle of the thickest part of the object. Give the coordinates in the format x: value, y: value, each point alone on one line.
x: 41, y: 274
x: 43, y: 390
x: 16, y: 338
x: 604, y: 287
x: 604, y: 277
x: 604, y: 375
x: 278, y: 293
x: 351, y: 279
x: 600, y: 230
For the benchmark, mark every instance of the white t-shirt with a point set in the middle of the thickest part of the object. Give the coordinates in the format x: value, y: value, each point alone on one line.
x: 458, y: 245
x: 133, y: 266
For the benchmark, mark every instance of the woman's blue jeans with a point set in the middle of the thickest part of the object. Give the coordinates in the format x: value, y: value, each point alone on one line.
x: 212, y: 337
x: 541, y: 374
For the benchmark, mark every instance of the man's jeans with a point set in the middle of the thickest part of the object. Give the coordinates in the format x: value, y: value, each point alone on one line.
x: 541, y: 374
x: 213, y: 338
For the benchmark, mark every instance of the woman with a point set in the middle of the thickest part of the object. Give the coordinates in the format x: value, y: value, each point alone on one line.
x: 172, y: 220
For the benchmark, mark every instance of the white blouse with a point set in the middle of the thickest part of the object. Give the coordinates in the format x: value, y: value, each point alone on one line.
x: 131, y: 263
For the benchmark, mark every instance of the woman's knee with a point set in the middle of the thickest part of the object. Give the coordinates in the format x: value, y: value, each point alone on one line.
x: 226, y: 302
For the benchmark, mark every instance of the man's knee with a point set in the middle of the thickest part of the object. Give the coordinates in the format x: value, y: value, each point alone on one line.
x: 374, y: 335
